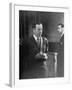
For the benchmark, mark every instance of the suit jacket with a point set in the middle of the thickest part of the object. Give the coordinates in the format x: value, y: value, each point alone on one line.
x: 60, y: 62
x: 34, y: 49
x: 61, y: 46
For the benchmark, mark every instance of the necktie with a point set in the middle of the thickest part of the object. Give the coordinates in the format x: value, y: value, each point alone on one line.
x: 39, y: 41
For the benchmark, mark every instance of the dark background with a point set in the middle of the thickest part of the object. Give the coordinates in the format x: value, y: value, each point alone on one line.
x: 50, y: 20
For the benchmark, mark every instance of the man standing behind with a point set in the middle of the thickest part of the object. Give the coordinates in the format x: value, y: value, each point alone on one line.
x: 60, y: 62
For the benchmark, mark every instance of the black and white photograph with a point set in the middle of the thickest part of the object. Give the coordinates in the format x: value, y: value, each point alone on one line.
x: 35, y: 44
x: 41, y: 44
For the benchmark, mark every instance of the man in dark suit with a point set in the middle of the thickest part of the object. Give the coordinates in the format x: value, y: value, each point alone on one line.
x: 60, y: 62
x: 36, y: 54
x: 37, y: 45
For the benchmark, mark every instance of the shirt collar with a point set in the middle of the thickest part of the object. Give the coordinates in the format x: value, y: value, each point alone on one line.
x: 35, y: 37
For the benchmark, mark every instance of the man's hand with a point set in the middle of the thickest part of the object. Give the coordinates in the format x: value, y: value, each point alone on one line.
x: 45, y: 55
x: 41, y: 56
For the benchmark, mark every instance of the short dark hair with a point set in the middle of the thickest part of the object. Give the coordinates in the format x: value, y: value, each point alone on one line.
x: 34, y: 24
x: 60, y: 24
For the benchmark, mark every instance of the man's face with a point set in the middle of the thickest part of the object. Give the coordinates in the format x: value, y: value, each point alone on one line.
x: 59, y: 28
x: 39, y: 30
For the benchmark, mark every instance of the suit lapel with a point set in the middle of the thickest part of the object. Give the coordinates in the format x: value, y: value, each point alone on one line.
x: 62, y: 38
x: 34, y: 41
